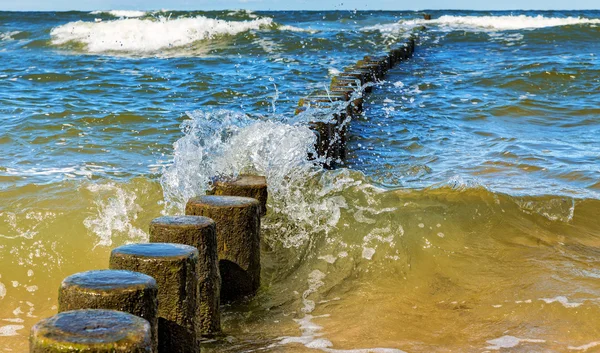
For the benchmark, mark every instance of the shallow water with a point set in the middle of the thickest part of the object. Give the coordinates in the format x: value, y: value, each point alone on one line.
x: 466, y: 218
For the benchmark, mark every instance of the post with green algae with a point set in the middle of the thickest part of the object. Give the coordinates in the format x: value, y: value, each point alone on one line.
x: 238, y: 239
x: 201, y: 233
x: 127, y: 291
x: 174, y: 266
x: 91, y: 331
x: 244, y: 185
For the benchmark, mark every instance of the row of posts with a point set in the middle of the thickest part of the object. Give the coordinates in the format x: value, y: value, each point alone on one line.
x: 344, y: 100
x: 164, y: 296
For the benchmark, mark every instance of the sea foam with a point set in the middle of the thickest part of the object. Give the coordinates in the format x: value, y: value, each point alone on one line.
x: 149, y: 35
x: 484, y: 23
x: 120, y: 13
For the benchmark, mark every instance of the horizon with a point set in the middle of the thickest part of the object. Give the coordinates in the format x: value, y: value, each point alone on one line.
x: 308, y: 10
x: 301, y: 5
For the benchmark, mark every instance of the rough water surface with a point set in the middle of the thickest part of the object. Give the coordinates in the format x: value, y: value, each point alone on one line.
x: 466, y: 218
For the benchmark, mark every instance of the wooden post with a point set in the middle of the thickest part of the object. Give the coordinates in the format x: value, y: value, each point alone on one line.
x: 174, y: 267
x: 201, y: 233
x: 126, y: 291
x: 238, y: 238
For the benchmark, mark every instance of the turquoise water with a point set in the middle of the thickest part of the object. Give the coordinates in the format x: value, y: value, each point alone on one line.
x: 465, y: 218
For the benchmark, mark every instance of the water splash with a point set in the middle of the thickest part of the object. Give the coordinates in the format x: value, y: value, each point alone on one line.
x: 116, y: 210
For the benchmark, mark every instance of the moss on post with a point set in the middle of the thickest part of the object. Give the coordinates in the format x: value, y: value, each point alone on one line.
x: 91, y: 331
x: 174, y: 268
x: 201, y: 233
x: 238, y: 238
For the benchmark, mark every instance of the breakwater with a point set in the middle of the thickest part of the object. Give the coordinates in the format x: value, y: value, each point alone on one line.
x: 193, y: 262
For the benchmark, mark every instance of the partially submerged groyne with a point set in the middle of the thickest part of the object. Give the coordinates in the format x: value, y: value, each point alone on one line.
x: 165, y: 296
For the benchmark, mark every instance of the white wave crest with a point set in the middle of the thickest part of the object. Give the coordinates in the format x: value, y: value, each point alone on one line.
x: 484, y: 23
x: 248, y: 13
x: 149, y: 35
x: 8, y: 35
x: 121, y: 13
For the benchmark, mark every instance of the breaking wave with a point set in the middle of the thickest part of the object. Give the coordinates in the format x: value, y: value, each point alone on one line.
x: 149, y: 35
x: 485, y: 23
x: 121, y: 13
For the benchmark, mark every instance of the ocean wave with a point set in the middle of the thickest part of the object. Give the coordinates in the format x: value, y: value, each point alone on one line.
x: 483, y: 23
x: 150, y: 35
x: 240, y: 12
x: 6, y: 36
x: 121, y: 13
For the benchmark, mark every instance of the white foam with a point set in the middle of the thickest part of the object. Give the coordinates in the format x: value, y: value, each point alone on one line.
x: 2, y: 290
x: 245, y: 12
x: 368, y: 253
x: 297, y: 29
x: 229, y: 143
x: 117, y: 209
x: 562, y: 300
x: 10, y: 330
x: 121, y: 13
x: 150, y: 35
x: 483, y: 23
x: 328, y: 258
x: 8, y: 35
x: 584, y: 347
x: 510, y: 342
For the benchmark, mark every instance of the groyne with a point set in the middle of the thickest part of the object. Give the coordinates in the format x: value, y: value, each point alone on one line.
x: 165, y: 296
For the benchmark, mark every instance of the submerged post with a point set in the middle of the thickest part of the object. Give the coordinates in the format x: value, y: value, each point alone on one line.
x: 253, y: 186
x: 201, y: 233
x: 238, y: 239
x: 174, y: 268
x: 127, y: 291
x: 91, y: 331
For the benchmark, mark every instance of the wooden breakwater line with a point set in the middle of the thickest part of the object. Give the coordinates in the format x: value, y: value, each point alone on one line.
x: 164, y: 296
x: 344, y: 99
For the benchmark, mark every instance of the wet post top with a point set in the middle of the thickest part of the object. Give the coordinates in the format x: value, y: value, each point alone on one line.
x: 127, y: 291
x: 174, y: 266
x: 93, y: 331
x: 253, y: 186
x: 201, y: 233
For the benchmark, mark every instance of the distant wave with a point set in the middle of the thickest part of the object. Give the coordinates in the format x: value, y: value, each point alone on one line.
x: 8, y: 35
x: 483, y: 23
x: 150, y: 35
x: 121, y: 13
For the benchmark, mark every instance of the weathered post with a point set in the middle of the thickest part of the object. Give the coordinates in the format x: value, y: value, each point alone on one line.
x: 201, y: 233
x: 253, y: 186
x: 127, y: 291
x: 91, y: 331
x: 174, y: 268
x: 238, y: 239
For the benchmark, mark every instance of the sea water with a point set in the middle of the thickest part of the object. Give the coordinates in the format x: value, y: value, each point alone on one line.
x: 465, y: 219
